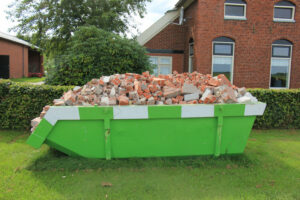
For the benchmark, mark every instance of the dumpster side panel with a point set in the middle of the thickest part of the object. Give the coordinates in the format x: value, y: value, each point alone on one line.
x: 163, y: 137
x: 84, y: 137
x: 235, y: 134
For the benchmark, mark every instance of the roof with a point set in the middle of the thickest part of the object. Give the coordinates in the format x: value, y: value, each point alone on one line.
x: 180, y: 3
x: 15, y: 40
x: 158, y: 26
x: 169, y: 17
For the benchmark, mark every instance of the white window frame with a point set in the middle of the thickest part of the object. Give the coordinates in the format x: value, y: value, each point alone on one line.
x: 279, y: 58
x: 158, y: 63
x: 235, y: 17
x: 284, y: 20
x: 232, y: 57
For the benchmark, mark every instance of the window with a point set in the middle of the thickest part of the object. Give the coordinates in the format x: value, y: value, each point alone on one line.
x: 223, y: 57
x: 191, y: 55
x: 235, y: 9
x: 163, y: 65
x: 281, y: 64
x: 284, y: 11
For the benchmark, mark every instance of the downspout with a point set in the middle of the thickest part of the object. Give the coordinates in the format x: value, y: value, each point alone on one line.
x: 23, y: 62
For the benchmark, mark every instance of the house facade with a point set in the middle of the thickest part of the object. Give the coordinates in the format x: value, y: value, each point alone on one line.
x: 18, y: 58
x: 255, y: 43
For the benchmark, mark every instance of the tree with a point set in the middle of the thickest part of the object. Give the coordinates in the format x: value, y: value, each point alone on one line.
x: 51, y: 23
x: 92, y: 53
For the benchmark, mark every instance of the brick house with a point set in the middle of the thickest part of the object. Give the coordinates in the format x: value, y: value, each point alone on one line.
x: 255, y: 43
x: 18, y: 58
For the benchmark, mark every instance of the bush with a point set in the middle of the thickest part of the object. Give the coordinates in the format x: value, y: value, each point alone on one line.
x: 93, y: 53
x: 283, y: 108
x: 21, y: 102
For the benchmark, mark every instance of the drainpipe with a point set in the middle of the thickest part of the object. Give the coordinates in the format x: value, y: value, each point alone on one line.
x: 23, y: 62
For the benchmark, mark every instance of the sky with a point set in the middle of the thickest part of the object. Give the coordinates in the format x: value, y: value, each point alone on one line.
x: 155, y: 10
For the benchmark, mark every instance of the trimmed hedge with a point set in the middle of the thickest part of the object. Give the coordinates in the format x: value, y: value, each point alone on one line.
x: 21, y: 102
x: 283, y: 108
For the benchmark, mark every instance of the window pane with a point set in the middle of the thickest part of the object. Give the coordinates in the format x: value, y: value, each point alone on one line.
x: 222, y: 65
x: 281, y: 51
x: 191, y: 49
x: 279, y: 73
x: 223, y: 49
x: 165, y: 61
x: 231, y: 10
x: 283, y: 13
x: 155, y: 71
x: 154, y: 60
x: 165, y: 69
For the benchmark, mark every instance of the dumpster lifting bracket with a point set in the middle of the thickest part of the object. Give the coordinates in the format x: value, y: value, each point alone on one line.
x: 107, y: 139
x: 219, y: 136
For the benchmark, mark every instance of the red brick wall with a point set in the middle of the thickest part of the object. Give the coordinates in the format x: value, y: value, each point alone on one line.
x: 253, y: 39
x: 169, y: 38
x: 15, y: 53
x: 177, y: 60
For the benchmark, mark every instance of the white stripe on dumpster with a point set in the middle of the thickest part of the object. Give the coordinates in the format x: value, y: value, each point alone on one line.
x: 195, y: 111
x: 131, y: 112
x: 255, y: 109
x: 62, y: 113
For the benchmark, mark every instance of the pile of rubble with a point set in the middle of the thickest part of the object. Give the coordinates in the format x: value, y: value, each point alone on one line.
x: 146, y: 89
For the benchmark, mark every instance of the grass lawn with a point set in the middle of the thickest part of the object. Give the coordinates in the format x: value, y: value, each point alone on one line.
x: 269, y: 169
x: 28, y: 80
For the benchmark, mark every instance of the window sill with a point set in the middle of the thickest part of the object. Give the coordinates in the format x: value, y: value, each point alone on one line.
x: 278, y: 88
x: 236, y: 18
x: 284, y: 20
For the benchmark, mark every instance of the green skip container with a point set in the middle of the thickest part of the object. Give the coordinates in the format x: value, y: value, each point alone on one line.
x: 147, y: 131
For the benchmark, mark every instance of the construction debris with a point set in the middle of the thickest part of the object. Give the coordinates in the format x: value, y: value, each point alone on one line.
x: 146, y: 89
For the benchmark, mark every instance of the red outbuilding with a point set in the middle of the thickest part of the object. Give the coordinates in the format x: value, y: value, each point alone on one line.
x: 19, y: 58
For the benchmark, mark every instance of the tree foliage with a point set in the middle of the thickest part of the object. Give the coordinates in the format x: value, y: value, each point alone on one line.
x: 92, y: 53
x: 51, y: 23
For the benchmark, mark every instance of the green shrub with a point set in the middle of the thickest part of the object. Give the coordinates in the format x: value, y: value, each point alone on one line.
x: 92, y: 53
x: 21, y: 102
x: 283, y: 108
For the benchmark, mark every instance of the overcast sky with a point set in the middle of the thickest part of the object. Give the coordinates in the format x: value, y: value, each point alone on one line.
x: 155, y: 10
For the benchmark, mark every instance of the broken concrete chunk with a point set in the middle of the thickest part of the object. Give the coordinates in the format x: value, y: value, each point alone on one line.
x: 191, y: 97
x: 104, y: 101
x: 253, y: 99
x: 151, y: 101
x: 35, y: 121
x: 242, y: 91
x: 112, y: 92
x: 189, y: 89
x: 170, y: 92
x: 106, y: 79
x: 244, y: 100
x: 169, y: 101
x: 205, y: 94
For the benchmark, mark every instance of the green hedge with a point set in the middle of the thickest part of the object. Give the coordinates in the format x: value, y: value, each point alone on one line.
x: 283, y: 108
x: 20, y: 102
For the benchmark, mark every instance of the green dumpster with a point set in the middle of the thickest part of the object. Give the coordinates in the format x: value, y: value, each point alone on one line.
x: 147, y: 131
